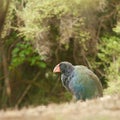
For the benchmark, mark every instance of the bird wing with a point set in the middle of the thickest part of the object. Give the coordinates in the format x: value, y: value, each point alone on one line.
x: 97, y: 81
x: 84, y: 83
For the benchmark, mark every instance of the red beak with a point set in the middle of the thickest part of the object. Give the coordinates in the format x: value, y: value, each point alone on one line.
x: 56, y: 69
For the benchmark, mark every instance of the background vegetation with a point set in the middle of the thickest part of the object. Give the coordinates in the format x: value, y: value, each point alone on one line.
x: 35, y: 35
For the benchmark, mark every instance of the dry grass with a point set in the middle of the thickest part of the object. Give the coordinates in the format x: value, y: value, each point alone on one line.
x: 106, y: 108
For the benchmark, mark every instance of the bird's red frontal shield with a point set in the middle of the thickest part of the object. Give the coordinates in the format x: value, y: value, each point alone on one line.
x: 56, y: 68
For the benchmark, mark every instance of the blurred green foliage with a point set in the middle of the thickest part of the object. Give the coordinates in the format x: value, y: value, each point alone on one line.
x: 40, y: 33
x: 109, y: 58
x: 23, y: 52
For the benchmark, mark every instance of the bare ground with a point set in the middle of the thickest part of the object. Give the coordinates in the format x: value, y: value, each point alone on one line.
x: 106, y: 108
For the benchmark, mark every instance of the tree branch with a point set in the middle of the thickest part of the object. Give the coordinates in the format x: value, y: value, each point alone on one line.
x: 26, y: 90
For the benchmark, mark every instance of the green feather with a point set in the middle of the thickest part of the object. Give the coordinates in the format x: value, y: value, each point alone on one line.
x: 85, y: 84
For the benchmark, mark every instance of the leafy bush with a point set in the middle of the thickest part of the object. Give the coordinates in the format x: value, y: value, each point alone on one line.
x: 23, y: 52
x: 54, y: 23
x: 109, y: 56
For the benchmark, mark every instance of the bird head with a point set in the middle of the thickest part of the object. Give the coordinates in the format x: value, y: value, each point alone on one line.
x: 63, y: 67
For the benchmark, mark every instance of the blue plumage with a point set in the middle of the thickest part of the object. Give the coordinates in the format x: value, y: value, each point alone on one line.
x: 80, y: 81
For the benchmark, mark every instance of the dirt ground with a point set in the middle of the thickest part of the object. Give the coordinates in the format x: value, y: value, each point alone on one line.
x: 106, y: 108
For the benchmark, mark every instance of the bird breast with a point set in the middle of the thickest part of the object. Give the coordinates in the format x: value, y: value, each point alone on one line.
x: 66, y: 80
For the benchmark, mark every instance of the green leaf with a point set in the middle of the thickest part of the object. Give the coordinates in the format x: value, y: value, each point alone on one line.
x: 42, y: 65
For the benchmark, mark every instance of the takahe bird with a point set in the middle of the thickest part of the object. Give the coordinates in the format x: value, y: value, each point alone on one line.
x: 79, y: 80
